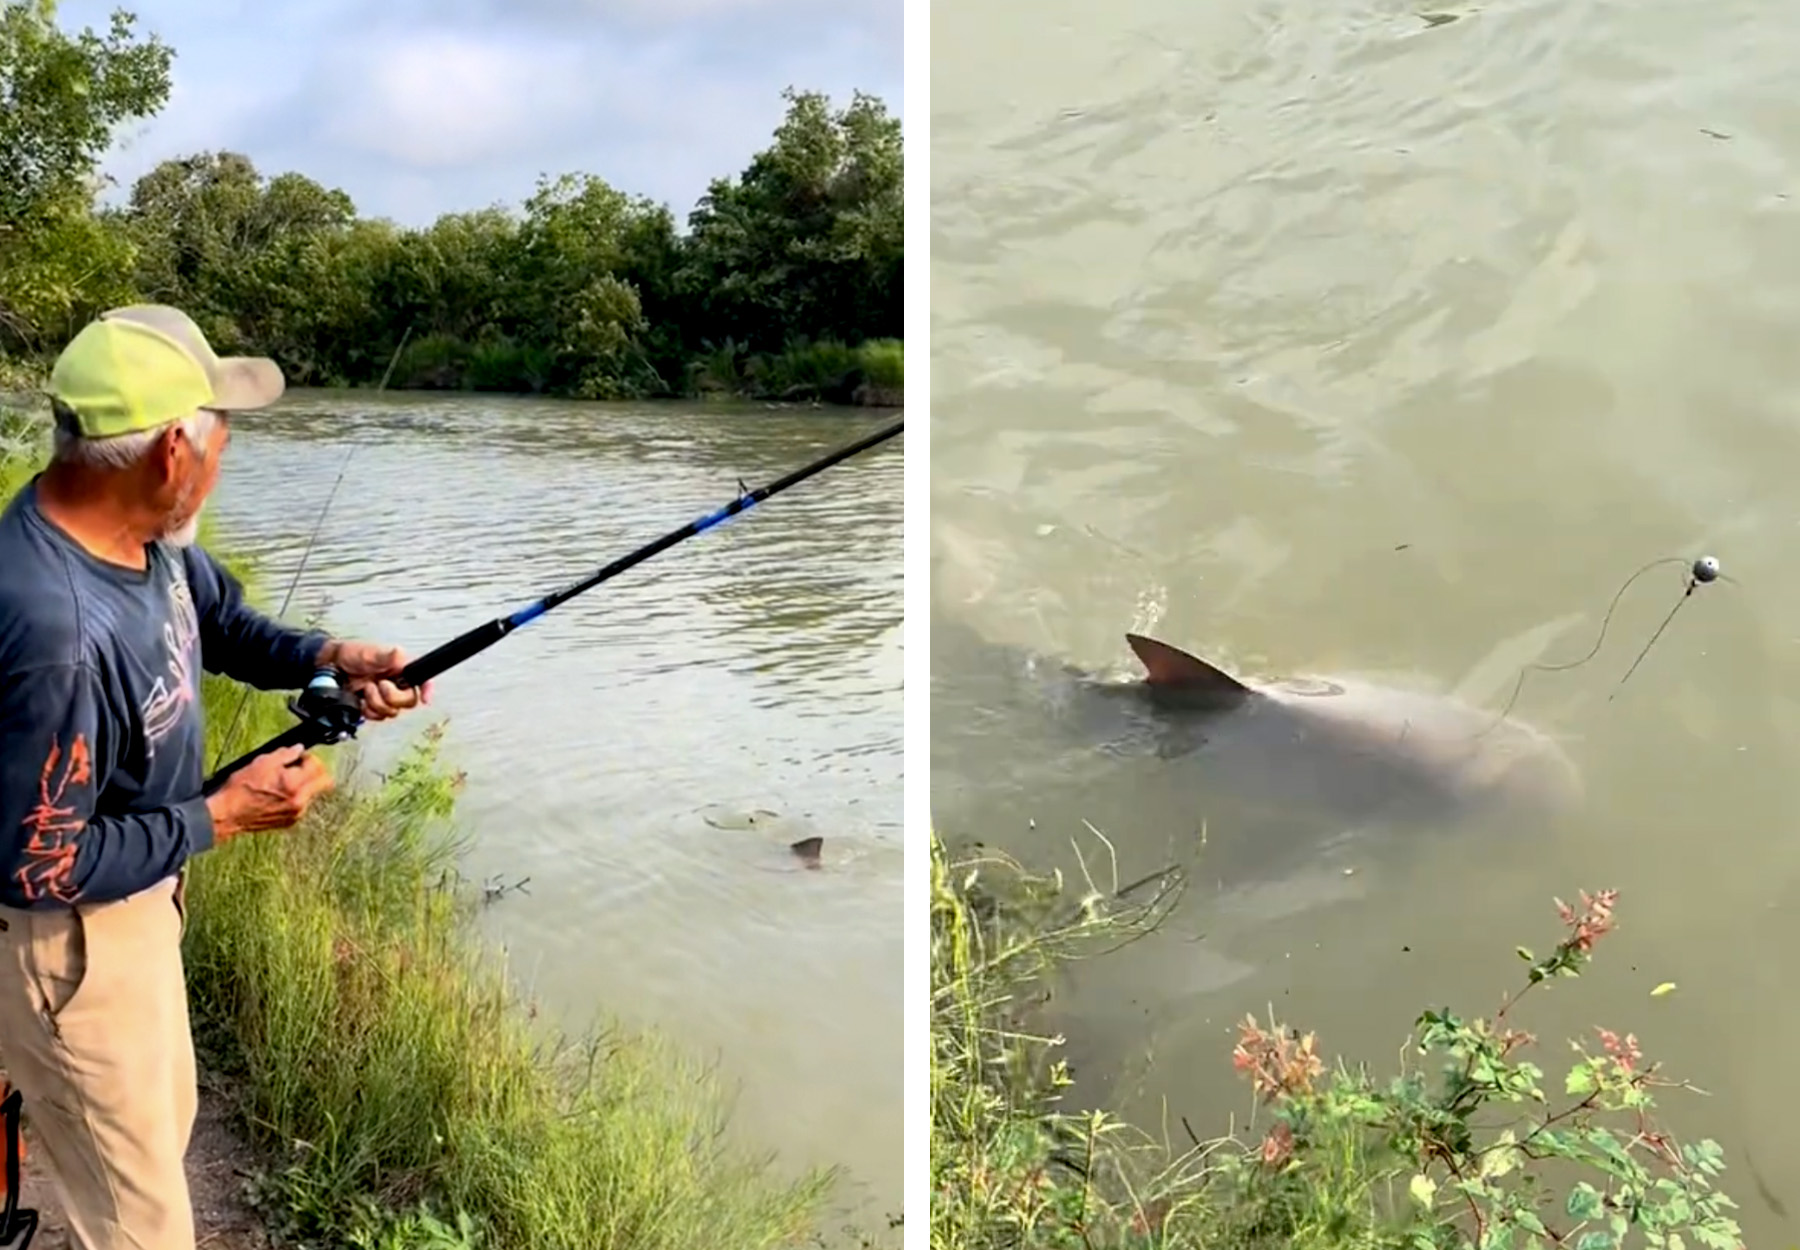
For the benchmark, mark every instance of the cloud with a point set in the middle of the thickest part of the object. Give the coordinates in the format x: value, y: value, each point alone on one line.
x: 441, y: 100
x: 421, y: 108
x: 882, y: 17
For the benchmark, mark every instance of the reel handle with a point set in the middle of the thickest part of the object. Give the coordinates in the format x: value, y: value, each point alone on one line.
x: 328, y: 712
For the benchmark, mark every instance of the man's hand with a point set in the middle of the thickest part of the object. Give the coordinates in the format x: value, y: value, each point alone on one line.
x: 370, y: 669
x: 272, y: 791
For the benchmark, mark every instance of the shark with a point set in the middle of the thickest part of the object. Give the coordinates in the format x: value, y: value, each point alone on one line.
x: 1354, y: 752
x: 1355, y: 746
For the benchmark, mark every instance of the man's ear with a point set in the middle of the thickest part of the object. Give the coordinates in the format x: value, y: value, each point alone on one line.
x: 169, y: 456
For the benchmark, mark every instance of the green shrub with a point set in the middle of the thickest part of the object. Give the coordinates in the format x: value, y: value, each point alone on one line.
x: 804, y: 370
x: 883, y: 362
x: 1471, y: 1149
x: 432, y: 362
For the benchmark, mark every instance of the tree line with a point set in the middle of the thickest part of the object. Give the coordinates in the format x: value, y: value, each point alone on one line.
x: 784, y: 284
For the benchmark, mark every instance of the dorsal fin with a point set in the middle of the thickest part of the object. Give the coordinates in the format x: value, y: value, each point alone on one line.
x: 1171, y: 668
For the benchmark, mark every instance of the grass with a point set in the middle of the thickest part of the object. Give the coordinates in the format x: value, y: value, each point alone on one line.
x: 817, y: 370
x: 443, y: 362
x: 1011, y: 1165
x: 404, y: 1093
x: 1468, y: 1149
x: 884, y: 360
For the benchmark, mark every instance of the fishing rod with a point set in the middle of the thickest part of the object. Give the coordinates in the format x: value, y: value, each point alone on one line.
x: 329, y: 711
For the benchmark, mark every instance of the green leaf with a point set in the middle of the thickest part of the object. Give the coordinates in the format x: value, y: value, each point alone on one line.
x: 1423, y: 1190
x: 1584, y: 1202
x: 1596, y: 1239
x: 1500, y: 1158
x: 1617, y: 1161
x: 1719, y: 1233
x: 1707, y: 1155
x: 1580, y: 1080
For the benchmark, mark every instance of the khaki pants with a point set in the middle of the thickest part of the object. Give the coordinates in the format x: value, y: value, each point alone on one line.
x: 94, y: 1035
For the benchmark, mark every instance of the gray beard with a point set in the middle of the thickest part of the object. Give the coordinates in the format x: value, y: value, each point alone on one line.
x: 188, y: 533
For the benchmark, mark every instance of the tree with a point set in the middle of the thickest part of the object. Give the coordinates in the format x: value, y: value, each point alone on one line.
x: 806, y: 243
x: 571, y: 248
x: 199, y: 218
x: 584, y: 290
x: 62, y: 97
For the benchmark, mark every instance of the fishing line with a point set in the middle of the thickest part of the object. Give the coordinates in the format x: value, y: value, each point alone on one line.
x: 330, y: 712
x: 230, y: 735
x: 1700, y: 572
x: 1706, y: 569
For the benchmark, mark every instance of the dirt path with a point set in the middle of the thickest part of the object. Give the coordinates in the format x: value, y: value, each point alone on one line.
x: 218, y: 1165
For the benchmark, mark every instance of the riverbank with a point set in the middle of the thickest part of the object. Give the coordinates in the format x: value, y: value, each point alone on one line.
x: 391, y: 1086
x: 870, y: 374
x: 1473, y: 1147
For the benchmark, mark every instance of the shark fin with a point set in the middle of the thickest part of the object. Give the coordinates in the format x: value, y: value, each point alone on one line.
x: 1170, y: 668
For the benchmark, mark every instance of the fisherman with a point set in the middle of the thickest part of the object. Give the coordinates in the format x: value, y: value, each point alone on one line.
x: 109, y: 610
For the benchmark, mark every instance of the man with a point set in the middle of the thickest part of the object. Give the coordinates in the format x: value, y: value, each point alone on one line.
x: 108, y: 613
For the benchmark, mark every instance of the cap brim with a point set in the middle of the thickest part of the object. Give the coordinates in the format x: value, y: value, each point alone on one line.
x: 242, y: 383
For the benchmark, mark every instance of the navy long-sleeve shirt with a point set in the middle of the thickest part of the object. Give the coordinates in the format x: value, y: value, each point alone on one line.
x: 101, y: 738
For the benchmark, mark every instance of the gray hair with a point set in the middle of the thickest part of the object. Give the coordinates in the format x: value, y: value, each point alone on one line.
x: 122, y: 451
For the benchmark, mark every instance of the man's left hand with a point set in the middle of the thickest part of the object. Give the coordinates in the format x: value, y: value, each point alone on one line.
x: 370, y: 669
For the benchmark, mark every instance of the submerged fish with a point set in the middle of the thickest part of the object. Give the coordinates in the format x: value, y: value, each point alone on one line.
x: 1365, y: 748
x: 1352, y: 751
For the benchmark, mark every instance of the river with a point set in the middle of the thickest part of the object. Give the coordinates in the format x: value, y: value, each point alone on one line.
x: 1342, y: 340
x: 642, y: 757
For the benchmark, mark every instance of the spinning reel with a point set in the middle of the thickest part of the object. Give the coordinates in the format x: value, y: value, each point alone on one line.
x: 330, y: 708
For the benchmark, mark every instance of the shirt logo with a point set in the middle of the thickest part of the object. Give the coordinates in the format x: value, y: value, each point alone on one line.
x: 179, y: 686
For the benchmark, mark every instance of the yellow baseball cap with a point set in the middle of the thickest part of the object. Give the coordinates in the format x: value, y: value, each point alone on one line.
x: 145, y: 365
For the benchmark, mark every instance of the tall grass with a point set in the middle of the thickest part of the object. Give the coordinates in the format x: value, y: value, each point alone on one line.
x: 1012, y: 1165
x: 387, y: 1055
x: 404, y: 1094
x: 872, y: 372
x: 443, y: 362
x: 884, y: 361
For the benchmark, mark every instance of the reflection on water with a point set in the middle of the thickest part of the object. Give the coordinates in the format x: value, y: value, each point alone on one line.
x: 1347, y: 343
x: 614, y: 746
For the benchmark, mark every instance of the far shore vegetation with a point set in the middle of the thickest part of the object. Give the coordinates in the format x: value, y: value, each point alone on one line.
x: 1484, y: 1140
x: 783, y: 284
x: 398, y: 1089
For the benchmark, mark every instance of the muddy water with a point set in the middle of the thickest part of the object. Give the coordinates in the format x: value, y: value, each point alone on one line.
x: 643, y: 757
x: 1348, y: 342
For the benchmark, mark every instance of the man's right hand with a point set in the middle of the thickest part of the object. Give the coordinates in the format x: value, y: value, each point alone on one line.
x: 272, y: 791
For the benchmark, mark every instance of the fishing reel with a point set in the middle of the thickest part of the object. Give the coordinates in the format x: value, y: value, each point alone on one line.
x: 332, y: 709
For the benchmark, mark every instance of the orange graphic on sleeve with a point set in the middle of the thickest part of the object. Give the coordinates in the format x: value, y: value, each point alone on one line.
x: 51, y: 826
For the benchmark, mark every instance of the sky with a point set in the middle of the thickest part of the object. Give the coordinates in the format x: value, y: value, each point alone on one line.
x: 418, y: 108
